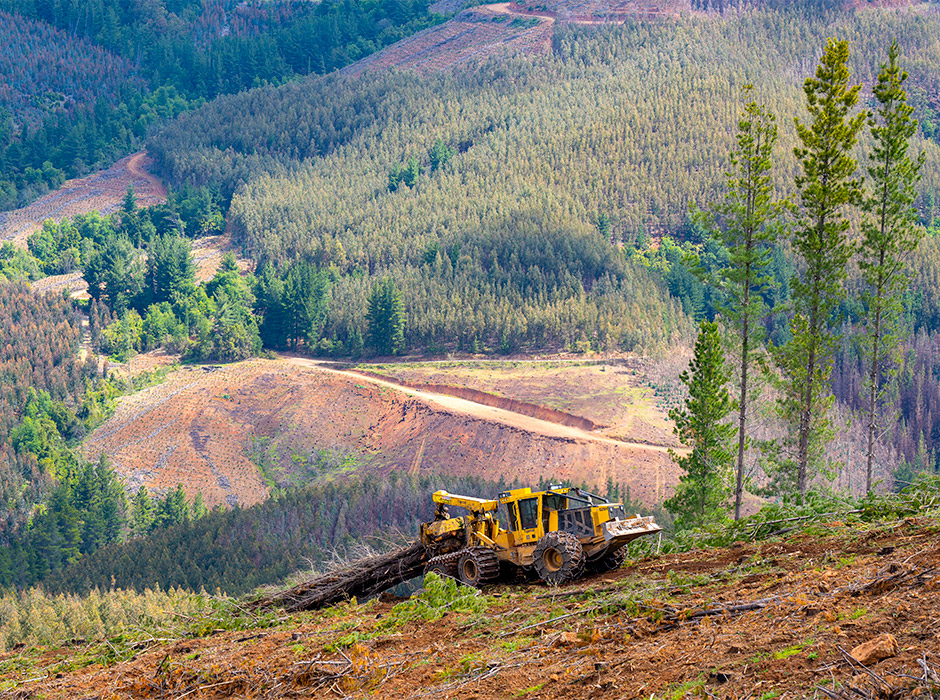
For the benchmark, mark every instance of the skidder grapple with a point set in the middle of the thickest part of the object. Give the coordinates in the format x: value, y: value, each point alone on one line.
x: 556, y: 535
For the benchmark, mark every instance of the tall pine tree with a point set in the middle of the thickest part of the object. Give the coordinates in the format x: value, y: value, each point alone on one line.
x: 742, y: 223
x: 386, y: 318
x: 702, y: 492
x: 889, y: 232
x: 827, y: 187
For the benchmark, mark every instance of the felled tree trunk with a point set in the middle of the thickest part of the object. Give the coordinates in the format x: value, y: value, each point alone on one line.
x: 361, y: 579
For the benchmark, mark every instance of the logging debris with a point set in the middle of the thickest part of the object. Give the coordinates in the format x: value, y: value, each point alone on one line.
x: 361, y: 579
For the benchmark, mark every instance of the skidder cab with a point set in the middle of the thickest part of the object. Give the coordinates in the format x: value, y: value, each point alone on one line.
x: 555, y: 534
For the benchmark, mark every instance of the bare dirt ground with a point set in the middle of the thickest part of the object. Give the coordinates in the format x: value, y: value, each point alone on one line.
x: 779, y: 619
x: 612, y: 394
x: 102, y: 191
x: 203, y: 424
x: 208, y: 252
x: 473, y: 35
x: 73, y: 282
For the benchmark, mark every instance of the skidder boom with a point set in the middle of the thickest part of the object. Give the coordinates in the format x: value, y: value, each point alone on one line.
x: 556, y: 534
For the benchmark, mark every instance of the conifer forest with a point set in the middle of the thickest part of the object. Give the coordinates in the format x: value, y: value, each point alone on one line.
x: 756, y: 184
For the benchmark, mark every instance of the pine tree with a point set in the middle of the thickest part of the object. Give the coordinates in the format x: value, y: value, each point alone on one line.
x: 199, y: 509
x: 702, y: 493
x: 439, y: 154
x: 742, y: 223
x: 114, y: 274
x: 304, y: 303
x: 826, y: 186
x: 172, y: 510
x: 171, y: 269
x: 385, y: 318
x: 889, y: 233
x: 129, y: 205
x: 229, y: 263
x: 142, y: 512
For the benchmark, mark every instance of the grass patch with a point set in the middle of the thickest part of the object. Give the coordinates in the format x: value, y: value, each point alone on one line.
x: 788, y: 652
x: 528, y: 691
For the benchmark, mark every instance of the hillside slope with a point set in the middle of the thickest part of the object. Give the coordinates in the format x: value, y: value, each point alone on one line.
x: 206, y: 427
x: 102, y: 191
x: 778, y: 619
x: 473, y: 35
x: 537, y: 227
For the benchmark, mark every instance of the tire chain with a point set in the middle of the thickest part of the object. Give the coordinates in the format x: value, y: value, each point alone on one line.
x: 448, y: 562
x: 486, y: 561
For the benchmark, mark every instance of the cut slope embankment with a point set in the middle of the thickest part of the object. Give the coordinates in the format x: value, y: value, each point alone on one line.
x: 524, y: 408
x: 203, y: 426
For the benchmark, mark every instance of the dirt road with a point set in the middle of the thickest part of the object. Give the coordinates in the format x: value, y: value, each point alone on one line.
x: 466, y: 407
x: 137, y: 165
x: 102, y: 191
x: 513, y: 10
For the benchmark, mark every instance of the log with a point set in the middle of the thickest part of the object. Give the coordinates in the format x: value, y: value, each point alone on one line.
x: 361, y: 579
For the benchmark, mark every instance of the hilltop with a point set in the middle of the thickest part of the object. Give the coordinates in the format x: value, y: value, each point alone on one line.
x: 232, y: 432
x: 773, y: 619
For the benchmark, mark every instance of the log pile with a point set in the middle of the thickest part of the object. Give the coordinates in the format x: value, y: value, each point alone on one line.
x: 361, y: 579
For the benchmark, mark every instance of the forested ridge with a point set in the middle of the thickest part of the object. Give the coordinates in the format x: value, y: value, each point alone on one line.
x: 81, y: 82
x: 545, y: 203
x: 561, y: 172
x: 45, y: 68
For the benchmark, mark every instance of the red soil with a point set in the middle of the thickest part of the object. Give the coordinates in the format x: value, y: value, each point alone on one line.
x: 820, y: 598
x: 198, y: 429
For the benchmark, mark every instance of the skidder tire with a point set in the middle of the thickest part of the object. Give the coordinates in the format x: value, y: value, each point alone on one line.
x: 558, y: 558
x: 477, y: 566
x: 444, y: 565
x: 610, y: 560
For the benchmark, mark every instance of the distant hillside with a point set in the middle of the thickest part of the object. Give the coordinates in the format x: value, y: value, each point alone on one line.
x: 87, y: 79
x: 233, y: 433
x: 510, y: 235
x: 44, y: 70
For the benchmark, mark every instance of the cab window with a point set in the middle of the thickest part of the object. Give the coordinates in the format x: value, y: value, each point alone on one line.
x: 504, y: 518
x: 554, y: 502
x: 529, y: 513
